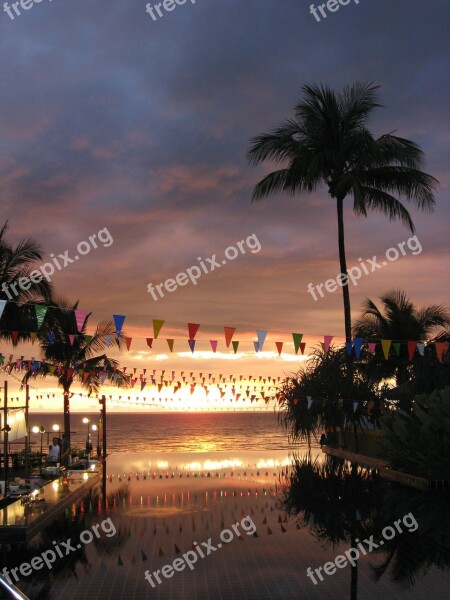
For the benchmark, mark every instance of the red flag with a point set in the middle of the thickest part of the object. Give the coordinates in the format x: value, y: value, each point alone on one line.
x: 193, y: 328
x: 411, y: 349
x: 441, y: 349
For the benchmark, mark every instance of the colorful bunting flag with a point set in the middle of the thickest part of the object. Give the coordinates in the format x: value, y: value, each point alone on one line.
x: 118, y: 323
x: 193, y: 328
x: 157, y: 325
x: 229, y: 332
x: 80, y: 317
x: 2, y: 307
x: 41, y: 311
x: 411, y: 349
x: 261, y: 335
x: 327, y: 341
x: 297, y: 337
x: 358, y: 342
x: 386, y: 345
x: 441, y: 349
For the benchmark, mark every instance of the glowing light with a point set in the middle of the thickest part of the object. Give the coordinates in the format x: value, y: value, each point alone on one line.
x: 211, y: 465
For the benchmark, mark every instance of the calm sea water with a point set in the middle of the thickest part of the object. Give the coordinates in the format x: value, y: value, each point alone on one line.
x: 186, y: 432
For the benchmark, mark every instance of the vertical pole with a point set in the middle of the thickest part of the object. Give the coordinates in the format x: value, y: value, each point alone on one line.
x: 27, y: 427
x: 40, y: 460
x: 103, y: 403
x: 5, y: 436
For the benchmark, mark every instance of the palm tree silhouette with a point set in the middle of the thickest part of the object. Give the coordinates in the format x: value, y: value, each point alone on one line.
x: 16, y: 264
x: 400, y: 320
x: 328, y: 143
x: 334, y: 500
x: 75, y: 354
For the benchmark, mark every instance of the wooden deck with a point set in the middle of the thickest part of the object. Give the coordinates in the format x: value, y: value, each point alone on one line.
x: 397, y: 476
x: 18, y: 527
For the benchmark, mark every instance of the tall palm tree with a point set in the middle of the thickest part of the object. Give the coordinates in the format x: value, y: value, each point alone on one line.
x: 399, y: 320
x: 16, y: 265
x: 328, y: 143
x: 75, y: 354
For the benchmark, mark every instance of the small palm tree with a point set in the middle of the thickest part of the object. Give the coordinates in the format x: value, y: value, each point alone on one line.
x: 399, y: 320
x: 75, y: 354
x: 16, y: 265
x: 324, y: 379
x: 328, y: 143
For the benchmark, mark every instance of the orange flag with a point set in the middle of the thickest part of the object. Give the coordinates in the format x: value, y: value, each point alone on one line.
x: 229, y: 332
x: 170, y: 343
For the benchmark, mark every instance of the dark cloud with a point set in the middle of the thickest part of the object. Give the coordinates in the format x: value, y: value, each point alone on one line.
x: 110, y: 119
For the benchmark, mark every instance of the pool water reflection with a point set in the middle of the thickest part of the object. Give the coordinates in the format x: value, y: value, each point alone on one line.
x: 159, y: 513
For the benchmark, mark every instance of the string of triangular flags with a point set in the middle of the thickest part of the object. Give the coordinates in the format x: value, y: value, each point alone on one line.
x: 241, y: 387
x: 229, y: 332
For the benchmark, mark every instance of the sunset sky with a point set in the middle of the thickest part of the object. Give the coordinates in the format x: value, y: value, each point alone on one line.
x: 113, y: 120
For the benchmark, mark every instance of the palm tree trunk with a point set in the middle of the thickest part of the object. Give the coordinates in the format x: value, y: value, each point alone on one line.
x: 343, y: 265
